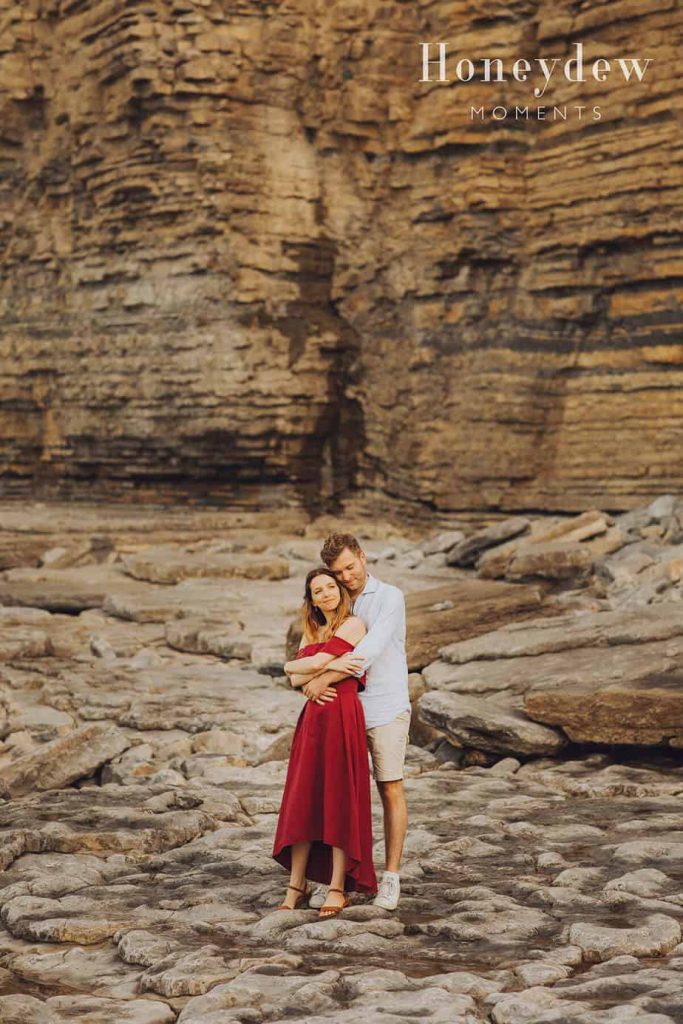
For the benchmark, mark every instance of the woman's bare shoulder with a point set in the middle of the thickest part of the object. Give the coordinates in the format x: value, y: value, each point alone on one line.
x: 352, y: 629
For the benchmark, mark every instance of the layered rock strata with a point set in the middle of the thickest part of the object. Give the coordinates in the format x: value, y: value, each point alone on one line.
x: 247, y: 254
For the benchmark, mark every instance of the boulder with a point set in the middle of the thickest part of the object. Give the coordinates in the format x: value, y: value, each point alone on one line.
x: 486, y: 725
x: 582, y: 527
x: 648, y: 711
x: 203, y: 637
x: 23, y: 642
x: 59, y: 763
x: 466, y: 552
x: 564, y: 551
x: 554, y: 560
x: 442, y: 542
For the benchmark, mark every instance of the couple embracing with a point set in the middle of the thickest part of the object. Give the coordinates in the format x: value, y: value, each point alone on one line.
x: 351, y: 667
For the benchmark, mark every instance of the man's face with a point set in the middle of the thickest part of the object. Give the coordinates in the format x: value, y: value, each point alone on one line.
x: 350, y: 569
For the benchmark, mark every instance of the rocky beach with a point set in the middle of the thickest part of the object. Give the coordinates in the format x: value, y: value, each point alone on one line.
x: 262, y: 278
x: 145, y: 726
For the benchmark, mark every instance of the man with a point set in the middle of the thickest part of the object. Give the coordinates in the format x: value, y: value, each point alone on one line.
x: 385, y: 700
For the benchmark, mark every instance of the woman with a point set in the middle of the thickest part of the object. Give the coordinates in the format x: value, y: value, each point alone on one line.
x: 324, y: 831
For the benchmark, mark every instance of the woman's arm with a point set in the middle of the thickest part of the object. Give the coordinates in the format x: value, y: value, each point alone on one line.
x: 299, y: 679
x: 352, y: 630
x: 291, y: 669
x: 310, y: 665
x: 303, y: 670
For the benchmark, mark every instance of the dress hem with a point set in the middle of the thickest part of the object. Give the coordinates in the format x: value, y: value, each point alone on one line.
x: 352, y: 884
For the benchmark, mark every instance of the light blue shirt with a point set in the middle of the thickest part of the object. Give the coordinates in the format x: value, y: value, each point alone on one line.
x: 382, y: 608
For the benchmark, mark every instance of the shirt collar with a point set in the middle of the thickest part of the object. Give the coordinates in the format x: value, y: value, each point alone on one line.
x: 371, y: 586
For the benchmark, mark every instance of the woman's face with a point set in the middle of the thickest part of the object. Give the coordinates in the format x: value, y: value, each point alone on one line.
x: 325, y: 593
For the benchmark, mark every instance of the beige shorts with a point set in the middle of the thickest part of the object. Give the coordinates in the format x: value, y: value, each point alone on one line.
x: 387, y: 745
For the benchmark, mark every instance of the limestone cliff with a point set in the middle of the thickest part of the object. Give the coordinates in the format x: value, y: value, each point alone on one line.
x: 246, y: 253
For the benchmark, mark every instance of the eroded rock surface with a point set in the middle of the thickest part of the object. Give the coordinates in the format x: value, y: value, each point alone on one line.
x: 143, y: 750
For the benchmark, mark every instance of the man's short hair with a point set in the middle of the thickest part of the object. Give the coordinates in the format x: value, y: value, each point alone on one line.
x: 335, y: 544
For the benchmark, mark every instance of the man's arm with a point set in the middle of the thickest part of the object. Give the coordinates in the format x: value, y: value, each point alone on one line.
x: 391, y: 617
x: 322, y: 684
x: 373, y: 643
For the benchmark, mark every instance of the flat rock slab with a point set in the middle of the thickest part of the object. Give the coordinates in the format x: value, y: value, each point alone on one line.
x: 593, y: 667
x: 480, y: 915
x: 65, y: 590
x: 21, y: 1009
x: 168, y: 565
x: 647, y: 712
x: 122, y: 638
x: 634, y: 989
x: 334, y: 996
x: 18, y: 552
x: 659, y: 935
x: 74, y: 635
x: 40, y: 720
x: 193, y: 696
x: 615, y: 780
x: 155, y: 603
x: 22, y: 616
x: 456, y: 611
x: 65, y: 759
x: 568, y: 632
x: 227, y: 618
x: 101, y: 971
x: 107, y: 819
x: 582, y: 527
x: 204, y: 637
x: 486, y: 725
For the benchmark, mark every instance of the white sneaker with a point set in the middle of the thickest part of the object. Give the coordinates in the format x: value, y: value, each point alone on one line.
x: 318, y: 897
x: 388, y: 892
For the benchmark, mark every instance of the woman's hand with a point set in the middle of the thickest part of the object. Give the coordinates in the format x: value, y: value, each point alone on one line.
x: 351, y: 664
x: 319, y: 692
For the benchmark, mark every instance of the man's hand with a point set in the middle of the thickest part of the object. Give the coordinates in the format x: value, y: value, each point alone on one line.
x: 351, y: 664
x: 319, y: 692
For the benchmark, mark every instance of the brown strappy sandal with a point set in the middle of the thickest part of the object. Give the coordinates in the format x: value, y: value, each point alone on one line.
x: 333, y: 911
x: 304, y: 892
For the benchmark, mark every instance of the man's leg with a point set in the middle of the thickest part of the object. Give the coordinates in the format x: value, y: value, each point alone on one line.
x: 387, y: 745
x: 395, y: 822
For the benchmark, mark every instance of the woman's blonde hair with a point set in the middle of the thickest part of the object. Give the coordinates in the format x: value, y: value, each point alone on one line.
x: 312, y: 618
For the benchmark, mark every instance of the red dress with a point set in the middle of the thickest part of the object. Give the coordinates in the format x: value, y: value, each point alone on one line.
x: 326, y: 800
